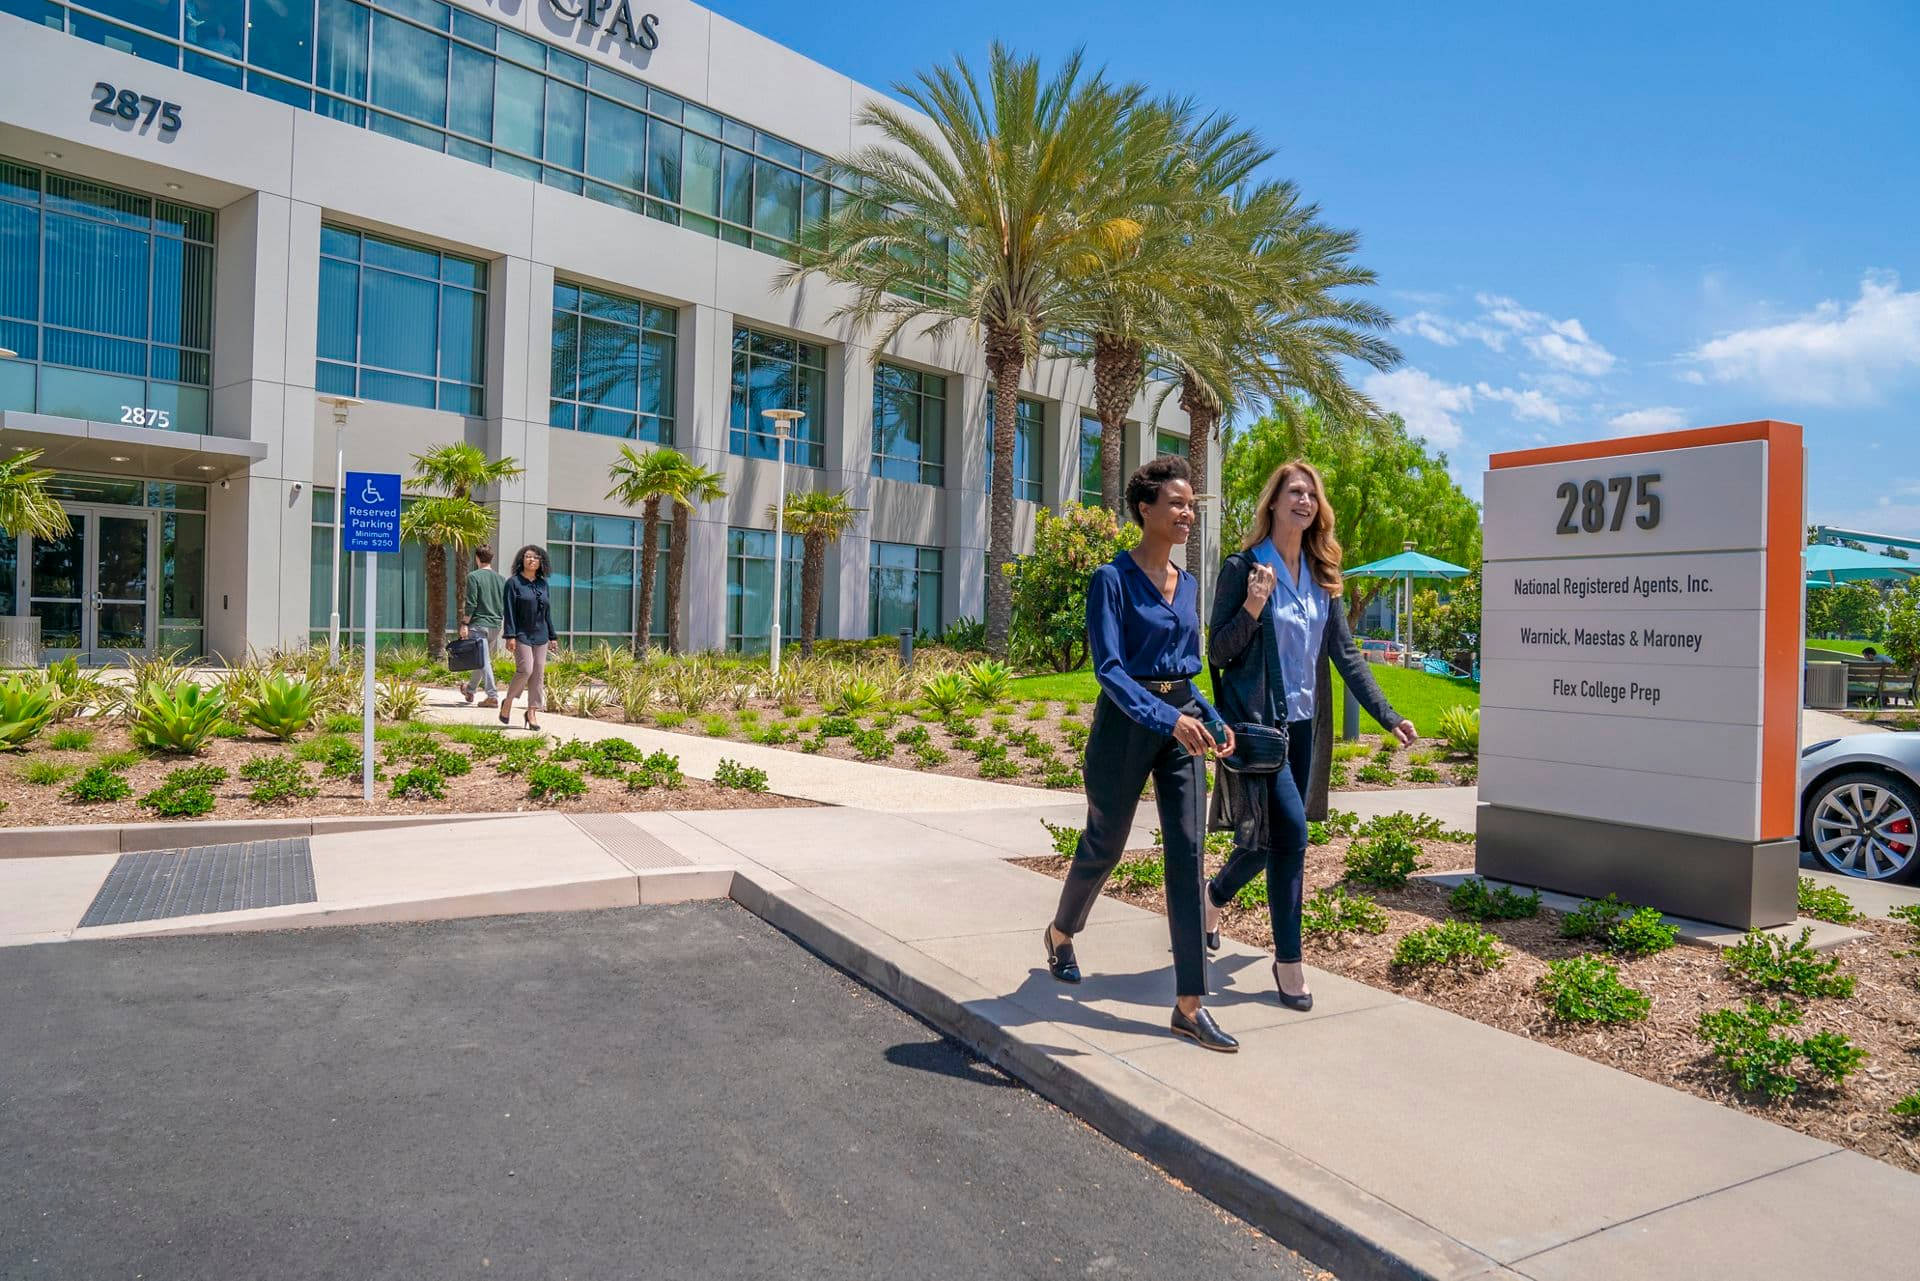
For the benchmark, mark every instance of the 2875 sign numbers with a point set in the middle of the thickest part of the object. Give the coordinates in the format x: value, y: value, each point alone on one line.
x: 1587, y: 504
x: 130, y: 106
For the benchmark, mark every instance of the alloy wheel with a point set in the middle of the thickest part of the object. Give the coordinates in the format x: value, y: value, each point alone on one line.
x: 1864, y: 829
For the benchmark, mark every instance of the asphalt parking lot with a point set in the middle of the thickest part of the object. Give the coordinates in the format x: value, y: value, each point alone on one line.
x: 675, y: 1092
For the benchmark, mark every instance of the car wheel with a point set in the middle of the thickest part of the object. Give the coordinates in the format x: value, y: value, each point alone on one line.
x: 1865, y: 824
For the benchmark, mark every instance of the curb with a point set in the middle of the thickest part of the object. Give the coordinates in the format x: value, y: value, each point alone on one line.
x: 131, y: 838
x: 1300, y: 1204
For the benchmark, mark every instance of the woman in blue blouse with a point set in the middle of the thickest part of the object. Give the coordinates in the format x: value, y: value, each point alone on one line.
x: 1277, y: 621
x: 1143, y: 626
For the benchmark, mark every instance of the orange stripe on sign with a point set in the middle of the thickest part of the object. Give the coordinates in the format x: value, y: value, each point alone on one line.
x: 1785, y: 591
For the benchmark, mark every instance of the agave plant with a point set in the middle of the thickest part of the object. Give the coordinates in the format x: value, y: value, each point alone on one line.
x: 74, y: 691
x: 175, y: 718
x: 399, y: 700
x: 945, y: 693
x: 27, y: 706
x: 282, y: 706
x: 858, y: 697
x: 989, y: 680
x: 1460, y: 730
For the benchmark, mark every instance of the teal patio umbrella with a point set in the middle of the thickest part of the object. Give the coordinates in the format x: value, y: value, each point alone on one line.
x: 1828, y: 564
x: 1405, y: 566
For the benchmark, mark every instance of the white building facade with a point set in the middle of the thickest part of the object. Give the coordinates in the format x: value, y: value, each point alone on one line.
x: 546, y: 227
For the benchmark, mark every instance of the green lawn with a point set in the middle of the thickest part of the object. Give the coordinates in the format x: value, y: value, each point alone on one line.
x: 1419, y: 697
x: 1841, y: 646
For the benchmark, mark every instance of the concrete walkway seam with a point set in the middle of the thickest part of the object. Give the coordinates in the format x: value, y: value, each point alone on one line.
x: 132, y: 838
x: 1302, y: 1205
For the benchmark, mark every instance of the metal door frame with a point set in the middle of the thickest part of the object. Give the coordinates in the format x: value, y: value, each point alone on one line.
x: 89, y: 650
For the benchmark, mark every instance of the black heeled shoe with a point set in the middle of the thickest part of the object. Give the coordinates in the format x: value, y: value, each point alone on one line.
x: 1203, y: 1031
x: 1210, y: 912
x: 1302, y: 1002
x: 528, y: 715
x: 1061, y: 962
x: 506, y: 717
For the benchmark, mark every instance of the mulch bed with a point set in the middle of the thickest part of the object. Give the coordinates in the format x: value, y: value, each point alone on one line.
x: 484, y: 789
x: 1882, y: 1016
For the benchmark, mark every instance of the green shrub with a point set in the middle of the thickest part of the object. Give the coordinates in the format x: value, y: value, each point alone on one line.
x: 1384, y: 756
x: 1770, y: 962
x: 670, y: 720
x: 70, y: 740
x: 276, y: 780
x: 1253, y: 895
x: 945, y: 694
x: 1907, y: 914
x: 1754, y: 1050
x: 179, y: 719
x: 857, y: 697
x: 812, y: 746
x: 1374, y: 773
x: 1140, y: 874
x: 97, y: 786
x: 522, y: 754
x: 660, y: 769
x: 1349, y: 751
x: 1825, y: 902
x: 927, y: 755
x: 999, y: 767
x: 1423, y: 774
x: 186, y: 792
x: 1037, y: 711
x: 1586, y: 989
x: 1338, y: 775
x: 27, y: 706
x: 839, y: 727
x: 1459, y: 729
x: 1001, y: 724
x: 1383, y: 862
x: 1342, y: 823
x: 481, y: 742
x: 959, y: 728
x: 744, y: 778
x: 619, y: 749
x: 1416, y: 827
x: 717, y: 726
x: 551, y: 781
x: 421, y: 783
x: 988, y: 680
x: 342, y: 723
x: 1907, y: 1108
x: 454, y: 763
x: 1057, y: 775
x: 872, y: 744
x: 1474, y: 898
x: 118, y: 760
x: 1455, y: 944
x: 1643, y: 933
x: 1466, y: 775
x: 987, y: 749
x: 229, y: 729
x: 46, y: 773
x: 1076, y: 735
x: 913, y: 736
x: 1595, y: 918
x: 282, y: 706
x: 1066, y: 839
x: 772, y: 734
x: 1332, y: 912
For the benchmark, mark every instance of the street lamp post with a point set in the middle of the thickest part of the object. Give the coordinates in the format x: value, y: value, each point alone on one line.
x: 1201, y: 503
x: 783, y: 420
x: 341, y: 404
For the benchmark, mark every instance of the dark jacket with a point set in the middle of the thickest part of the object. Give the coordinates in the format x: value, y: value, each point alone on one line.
x: 1244, y: 656
x: 527, y: 617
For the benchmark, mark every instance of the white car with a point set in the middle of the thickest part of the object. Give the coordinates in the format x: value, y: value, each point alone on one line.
x: 1860, y: 804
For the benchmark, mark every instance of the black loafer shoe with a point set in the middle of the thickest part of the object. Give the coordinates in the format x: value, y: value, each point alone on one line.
x: 1203, y: 1031
x: 1061, y: 962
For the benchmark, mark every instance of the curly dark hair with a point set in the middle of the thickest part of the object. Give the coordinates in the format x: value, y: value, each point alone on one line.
x: 520, y: 559
x: 1143, y: 487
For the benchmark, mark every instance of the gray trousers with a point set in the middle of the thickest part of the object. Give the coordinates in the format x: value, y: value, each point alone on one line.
x: 490, y: 642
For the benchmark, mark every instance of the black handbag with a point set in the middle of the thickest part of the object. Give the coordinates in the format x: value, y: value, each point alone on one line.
x: 1257, y: 749
x: 468, y: 654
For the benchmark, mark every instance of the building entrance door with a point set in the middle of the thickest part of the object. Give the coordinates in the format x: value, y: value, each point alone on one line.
x: 92, y: 588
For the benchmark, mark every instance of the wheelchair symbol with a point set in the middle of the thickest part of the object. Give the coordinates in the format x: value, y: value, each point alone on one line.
x: 369, y: 494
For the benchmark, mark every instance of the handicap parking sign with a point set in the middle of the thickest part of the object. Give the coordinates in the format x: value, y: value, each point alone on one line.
x: 370, y: 516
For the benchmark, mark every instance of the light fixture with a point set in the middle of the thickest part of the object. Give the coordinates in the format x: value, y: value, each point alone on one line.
x: 173, y: 186
x: 204, y: 467
x: 118, y: 458
x: 8, y: 353
x: 53, y: 155
x: 784, y: 421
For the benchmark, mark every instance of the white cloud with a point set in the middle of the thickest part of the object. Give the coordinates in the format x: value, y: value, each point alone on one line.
x: 1836, y: 354
x: 1435, y: 329
x: 1566, y: 344
x: 1427, y: 404
x: 1693, y: 376
x: 1638, y: 422
x: 1526, y: 404
x: 1561, y: 343
x: 1560, y: 386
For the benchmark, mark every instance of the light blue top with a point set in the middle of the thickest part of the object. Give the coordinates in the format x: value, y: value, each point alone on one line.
x: 1298, y: 608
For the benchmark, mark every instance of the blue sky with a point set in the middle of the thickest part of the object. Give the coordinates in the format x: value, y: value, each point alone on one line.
x: 1589, y: 221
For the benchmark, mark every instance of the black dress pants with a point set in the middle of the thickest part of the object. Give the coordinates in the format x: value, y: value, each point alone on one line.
x: 1121, y: 755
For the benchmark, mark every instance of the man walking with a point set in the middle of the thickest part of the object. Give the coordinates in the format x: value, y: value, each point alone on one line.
x: 481, y: 610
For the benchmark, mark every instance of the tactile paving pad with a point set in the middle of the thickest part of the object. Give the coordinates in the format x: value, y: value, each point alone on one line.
x: 206, y: 878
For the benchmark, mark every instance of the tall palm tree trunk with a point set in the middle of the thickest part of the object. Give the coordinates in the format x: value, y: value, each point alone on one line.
x: 1201, y: 417
x: 649, y: 557
x: 436, y: 600
x: 1119, y: 371
x: 676, y: 575
x: 1005, y: 360
x: 813, y: 572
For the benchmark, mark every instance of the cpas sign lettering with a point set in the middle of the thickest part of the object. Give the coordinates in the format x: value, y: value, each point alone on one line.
x: 644, y: 34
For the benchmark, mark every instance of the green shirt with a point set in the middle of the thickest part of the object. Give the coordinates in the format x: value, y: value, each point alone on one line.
x: 486, y: 599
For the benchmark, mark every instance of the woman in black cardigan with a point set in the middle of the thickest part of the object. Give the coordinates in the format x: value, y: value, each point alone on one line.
x: 1277, y: 617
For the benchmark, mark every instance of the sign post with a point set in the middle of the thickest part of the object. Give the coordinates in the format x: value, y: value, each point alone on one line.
x: 370, y: 503
x: 1641, y: 643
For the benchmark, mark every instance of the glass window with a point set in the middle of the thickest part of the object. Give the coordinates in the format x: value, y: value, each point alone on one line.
x: 595, y: 588
x: 107, y: 296
x: 401, y: 323
x: 903, y: 590
x: 1089, y: 460
x: 772, y: 372
x: 613, y: 365
x: 1028, y: 430
x: 750, y: 589
x: 909, y: 424
x: 1170, y: 442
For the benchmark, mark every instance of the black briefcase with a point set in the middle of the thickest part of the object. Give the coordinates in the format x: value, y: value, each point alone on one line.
x: 466, y: 654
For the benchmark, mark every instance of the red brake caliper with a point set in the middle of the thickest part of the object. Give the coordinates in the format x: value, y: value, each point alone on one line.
x: 1901, y: 827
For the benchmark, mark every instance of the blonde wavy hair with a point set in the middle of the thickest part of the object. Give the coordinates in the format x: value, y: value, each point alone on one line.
x: 1321, y: 547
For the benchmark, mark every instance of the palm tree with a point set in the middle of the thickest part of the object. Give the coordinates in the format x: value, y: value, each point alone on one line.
x: 644, y: 481
x: 25, y: 505
x: 439, y: 522
x: 819, y: 517
x: 457, y: 470
x: 693, y: 485
x: 989, y: 219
